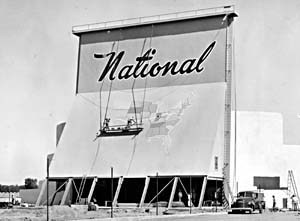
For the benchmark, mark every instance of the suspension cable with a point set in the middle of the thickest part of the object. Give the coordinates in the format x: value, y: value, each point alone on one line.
x: 144, y: 96
x: 83, y: 181
x: 81, y: 191
x: 75, y: 187
x: 183, y: 187
x: 80, y: 187
x: 132, y: 88
x: 160, y: 191
x: 100, y: 91
x: 110, y: 87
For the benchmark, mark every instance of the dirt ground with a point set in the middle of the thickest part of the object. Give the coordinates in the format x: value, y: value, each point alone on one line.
x: 60, y: 213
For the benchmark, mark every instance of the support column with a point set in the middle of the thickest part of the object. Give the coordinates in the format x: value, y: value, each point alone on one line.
x: 147, y: 181
x: 67, y: 190
x: 173, y: 192
x: 228, y: 107
x: 118, y: 191
x: 43, y: 188
x: 92, y: 190
x: 203, y: 189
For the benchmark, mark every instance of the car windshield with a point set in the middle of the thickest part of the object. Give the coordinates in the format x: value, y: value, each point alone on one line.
x: 246, y: 194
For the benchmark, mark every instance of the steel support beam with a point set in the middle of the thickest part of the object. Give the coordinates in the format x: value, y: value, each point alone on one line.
x: 39, y: 199
x: 203, y: 189
x: 67, y: 190
x: 173, y: 192
x: 92, y: 189
x: 147, y: 181
x: 118, y: 191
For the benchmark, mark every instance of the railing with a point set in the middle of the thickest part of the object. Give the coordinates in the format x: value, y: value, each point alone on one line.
x: 123, y: 125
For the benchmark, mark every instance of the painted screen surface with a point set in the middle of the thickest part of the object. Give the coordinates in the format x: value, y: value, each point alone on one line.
x: 167, y: 77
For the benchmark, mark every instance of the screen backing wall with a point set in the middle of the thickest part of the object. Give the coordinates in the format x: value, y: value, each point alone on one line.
x: 181, y: 107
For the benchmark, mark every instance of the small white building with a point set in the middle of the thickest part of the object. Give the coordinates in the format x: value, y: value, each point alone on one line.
x: 260, y: 151
x: 10, y: 197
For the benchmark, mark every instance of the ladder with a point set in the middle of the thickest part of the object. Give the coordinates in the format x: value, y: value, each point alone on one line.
x: 227, y: 195
x: 292, y: 187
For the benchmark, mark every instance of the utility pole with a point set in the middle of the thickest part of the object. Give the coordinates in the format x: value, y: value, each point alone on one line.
x: 47, y: 188
x: 191, y: 194
x: 8, y: 194
x: 216, y: 197
x: 157, y: 193
x: 112, y: 192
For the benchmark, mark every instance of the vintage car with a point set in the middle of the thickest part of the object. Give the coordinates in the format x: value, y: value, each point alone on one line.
x: 248, y: 201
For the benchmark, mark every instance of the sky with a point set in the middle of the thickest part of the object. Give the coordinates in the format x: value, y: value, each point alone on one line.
x: 38, y: 62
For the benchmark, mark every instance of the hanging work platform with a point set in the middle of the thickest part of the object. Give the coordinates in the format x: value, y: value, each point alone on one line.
x: 112, y: 131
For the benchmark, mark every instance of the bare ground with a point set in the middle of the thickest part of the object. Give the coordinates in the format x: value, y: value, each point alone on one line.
x: 60, y: 213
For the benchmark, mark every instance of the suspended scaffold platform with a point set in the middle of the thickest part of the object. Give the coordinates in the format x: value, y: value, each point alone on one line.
x: 118, y: 131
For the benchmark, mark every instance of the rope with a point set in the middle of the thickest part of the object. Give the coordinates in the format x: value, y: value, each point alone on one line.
x: 96, y: 156
x: 183, y: 186
x: 150, y: 44
x: 160, y: 191
x: 83, y: 181
x: 136, y: 123
x: 175, y: 78
x: 110, y: 87
x: 75, y: 187
x: 178, y: 76
x: 122, y: 109
x: 144, y: 95
x: 134, y: 104
x: 132, y: 156
x: 80, y: 188
x: 100, y: 105
x: 83, y: 186
x: 132, y: 91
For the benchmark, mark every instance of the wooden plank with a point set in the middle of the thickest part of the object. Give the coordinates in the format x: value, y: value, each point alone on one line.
x: 147, y: 181
x: 203, y: 189
x: 173, y: 192
x: 92, y: 189
x: 67, y: 190
x: 118, y: 191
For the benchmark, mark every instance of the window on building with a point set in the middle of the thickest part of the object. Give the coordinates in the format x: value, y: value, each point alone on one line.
x: 216, y: 163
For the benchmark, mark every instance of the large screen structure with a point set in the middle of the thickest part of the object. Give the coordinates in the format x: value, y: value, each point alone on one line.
x: 167, y: 74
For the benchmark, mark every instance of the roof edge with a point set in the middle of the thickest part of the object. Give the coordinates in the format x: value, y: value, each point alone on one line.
x: 226, y: 10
